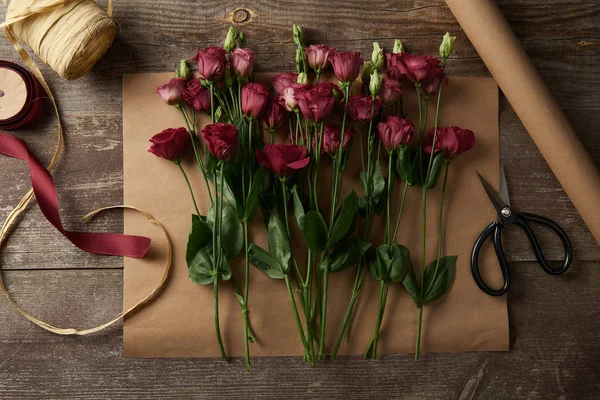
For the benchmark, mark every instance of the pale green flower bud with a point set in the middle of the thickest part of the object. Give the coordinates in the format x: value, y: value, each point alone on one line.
x: 183, y: 71
x: 302, y: 78
x: 365, y: 74
x: 229, y: 43
x: 241, y: 38
x: 375, y: 83
x: 298, y: 35
x: 447, y: 45
x: 300, y: 59
x: 218, y: 113
x: 398, y: 48
x: 377, y: 56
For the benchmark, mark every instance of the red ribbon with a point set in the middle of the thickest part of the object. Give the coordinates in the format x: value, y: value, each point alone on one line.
x: 45, y: 192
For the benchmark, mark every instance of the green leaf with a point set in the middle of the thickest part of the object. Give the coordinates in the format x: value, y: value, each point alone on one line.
x: 232, y: 239
x: 200, y: 269
x: 438, y: 284
x: 378, y: 182
x: 200, y: 236
x: 380, y: 266
x: 254, y: 194
x: 347, y: 255
x: 412, y: 286
x: 404, y: 165
x: 344, y: 219
x: 434, y: 174
x: 225, y: 271
x: 264, y: 262
x: 315, y: 231
x: 298, y: 208
x: 401, y: 264
x: 279, y: 242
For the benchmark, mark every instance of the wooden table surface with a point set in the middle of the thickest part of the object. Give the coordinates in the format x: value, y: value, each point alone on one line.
x: 554, y: 322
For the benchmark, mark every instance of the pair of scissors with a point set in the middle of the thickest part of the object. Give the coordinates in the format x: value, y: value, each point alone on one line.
x: 507, y: 216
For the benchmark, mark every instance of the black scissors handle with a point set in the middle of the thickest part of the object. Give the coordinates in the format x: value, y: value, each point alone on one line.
x: 523, y: 221
x: 495, y: 229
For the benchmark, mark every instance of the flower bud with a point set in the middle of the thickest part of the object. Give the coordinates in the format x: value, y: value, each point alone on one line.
x: 377, y: 56
x: 375, y: 83
x: 298, y: 35
x: 229, y: 43
x: 183, y: 71
x: 447, y: 45
x: 365, y: 74
x: 302, y: 78
x: 398, y: 48
x: 300, y: 59
x: 241, y: 38
x: 218, y: 113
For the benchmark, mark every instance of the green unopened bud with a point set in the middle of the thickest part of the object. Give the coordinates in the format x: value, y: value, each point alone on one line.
x: 398, y: 48
x: 183, y: 71
x: 375, y: 83
x: 229, y: 43
x: 298, y: 35
x: 300, y: 59
x: 365, y: 74
x: 241, y: 38
x: 447, y: 45
x: 377, y: 56
x: 302, y: 78
x: 218, y: 113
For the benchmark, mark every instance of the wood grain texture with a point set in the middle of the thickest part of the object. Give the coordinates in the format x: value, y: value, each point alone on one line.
x: 555, y: 335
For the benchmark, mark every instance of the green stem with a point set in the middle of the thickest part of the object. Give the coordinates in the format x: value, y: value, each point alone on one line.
x: 435, y: 131
x: 296, y: 315
x: 421, y: 282
x: 400, y: 212
x: 323, y: 312
x: 418, y: 345
x: 187, y: 181
x: 217, y: 326
x: 318, y: 141
x: 212, y: 102
x: 389, y: 200
x: 383, y: 287
x: 246, y: 291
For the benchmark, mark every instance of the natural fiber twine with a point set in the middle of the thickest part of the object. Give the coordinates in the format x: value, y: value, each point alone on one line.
x: 70, y: 36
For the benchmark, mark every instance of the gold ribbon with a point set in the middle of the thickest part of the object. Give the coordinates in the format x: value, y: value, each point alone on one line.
x: 12, y: 219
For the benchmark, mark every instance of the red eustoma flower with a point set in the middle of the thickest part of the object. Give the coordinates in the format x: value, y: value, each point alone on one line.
x: 434, y: 80
x: 283, y: 80
x: 318, y: 56
x: 451, y: 140
x: 212, y: 62
x: 391, y: 91
x: 197, y: 96
x: 255, y: 97
x: 413, y: 67
x: 283, y: 159
x: 242, y: 62
x: 316, y: 102
x: 273, y: 116
x: 170, y: 144
x: 221, y: 140
x: 394, y: 132
x: 172, y: 91
x: 332, y: 135
x: 347, y: 65
x: 360, y: 108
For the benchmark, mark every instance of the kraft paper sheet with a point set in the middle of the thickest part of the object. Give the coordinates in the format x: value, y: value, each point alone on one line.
x: 541, y: 115
x: 179, y: 323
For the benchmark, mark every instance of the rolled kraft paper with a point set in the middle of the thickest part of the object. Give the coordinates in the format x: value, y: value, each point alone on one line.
x: 21, y: 96
x: 529, y: 96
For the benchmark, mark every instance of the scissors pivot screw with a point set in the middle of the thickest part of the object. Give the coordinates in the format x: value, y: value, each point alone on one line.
x: 506, y: 212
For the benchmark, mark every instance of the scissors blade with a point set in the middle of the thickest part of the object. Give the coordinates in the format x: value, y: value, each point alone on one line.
x: 494, y: 196
x: 503, y: 187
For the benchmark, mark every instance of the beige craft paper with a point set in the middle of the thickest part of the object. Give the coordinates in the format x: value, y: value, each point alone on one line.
x: 180, y: 322
x: 526, y: 91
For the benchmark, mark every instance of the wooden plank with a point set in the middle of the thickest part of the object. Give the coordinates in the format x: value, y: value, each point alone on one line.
x: 554, y: 350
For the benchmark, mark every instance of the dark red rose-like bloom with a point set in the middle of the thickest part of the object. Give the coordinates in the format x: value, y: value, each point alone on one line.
x: 212, y: 62
x: 242, y: 62
x: 394, y: 132
x: 221, y: 140
x: 273, y: 116
x: 197, y: 96
x: 170, y: 144
x: 283, y: 159
x: 316, y: 102
x: 413, y: 67
x: 391, y: 91
x: 360, y: 108
x: 435, y: 79
x: 172, y: 91
x: 283, y: 80
x: 451, y: 140
x: 347, y: 65
x: 255, y: 97
x: 332, y: 135
x: 318, y: 56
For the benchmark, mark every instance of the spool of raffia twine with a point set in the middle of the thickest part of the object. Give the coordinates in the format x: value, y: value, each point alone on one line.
x: 70, y: 36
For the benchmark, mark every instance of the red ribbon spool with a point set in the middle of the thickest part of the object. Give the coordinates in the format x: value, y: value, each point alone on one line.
x: 21, y: 96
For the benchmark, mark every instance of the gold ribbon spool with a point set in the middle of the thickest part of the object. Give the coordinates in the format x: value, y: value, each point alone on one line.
x: 74, y: 63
